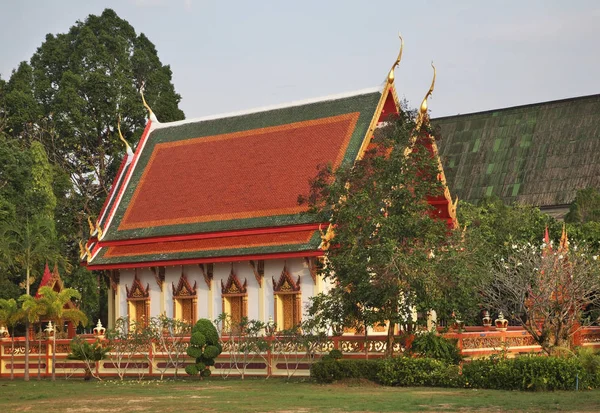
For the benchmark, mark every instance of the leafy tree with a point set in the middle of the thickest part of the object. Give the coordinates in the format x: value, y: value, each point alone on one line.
x: 53, y: 305
x: 69, y: 97
x: 546, y: 290
x: 585, y: 208
x: 493, y: 227
x: 384, y: 232
x: 81, y: 82
x: 10, y: 316
x: 168, y: 335
x: 89, y: 354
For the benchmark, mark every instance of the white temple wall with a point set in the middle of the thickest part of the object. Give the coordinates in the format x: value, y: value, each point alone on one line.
x: 261, y: 301
x: 125, y: 281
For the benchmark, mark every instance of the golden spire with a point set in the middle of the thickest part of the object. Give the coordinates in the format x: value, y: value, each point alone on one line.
x: 390, y: 76
x: 127, y: 147
x: 423, y: 109
x: 151, y: 114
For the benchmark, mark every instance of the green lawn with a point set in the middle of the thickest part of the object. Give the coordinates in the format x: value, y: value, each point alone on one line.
x: 273, y: 395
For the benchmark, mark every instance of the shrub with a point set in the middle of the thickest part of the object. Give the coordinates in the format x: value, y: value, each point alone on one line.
x: 526, y: 373
x: 432, y: 345
x: 407, y: 371
x: 329, y: 370
x: 590, y: 364
x: 204, y: 348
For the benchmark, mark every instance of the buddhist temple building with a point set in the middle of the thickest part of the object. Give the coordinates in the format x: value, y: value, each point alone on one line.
x: 203, y: 218
x: 55, y: 282
x: 539, y: 154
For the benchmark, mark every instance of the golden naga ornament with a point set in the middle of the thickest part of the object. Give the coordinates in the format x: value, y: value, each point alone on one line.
x: 99, y: 230
x: 423, y: 108
x: 92, y: 228
x: 151, y: 114
x: 127, y: 147
x: 81, y: 250
x: 390, y: 76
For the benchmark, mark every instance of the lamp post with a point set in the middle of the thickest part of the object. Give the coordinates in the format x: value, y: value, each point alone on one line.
x: 51, y: 331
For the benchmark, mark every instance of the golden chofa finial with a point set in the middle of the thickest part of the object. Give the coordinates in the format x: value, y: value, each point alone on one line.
x: 390, y: 77
x: 423, y: 108
x: 151, y: 114
x: 127, y: 147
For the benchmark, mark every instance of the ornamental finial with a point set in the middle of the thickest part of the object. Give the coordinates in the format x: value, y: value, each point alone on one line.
x: 423, y: 109
x: 390, y: 77
x: 127, y: 147
x: 151, y: 114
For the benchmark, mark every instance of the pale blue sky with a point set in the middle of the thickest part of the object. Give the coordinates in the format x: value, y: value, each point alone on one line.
x: 233, y: 55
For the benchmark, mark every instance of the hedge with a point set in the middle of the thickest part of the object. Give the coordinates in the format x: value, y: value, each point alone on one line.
x: 520, y: 373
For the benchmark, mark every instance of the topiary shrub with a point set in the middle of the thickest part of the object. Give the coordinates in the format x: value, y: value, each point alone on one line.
x: 204, y: 348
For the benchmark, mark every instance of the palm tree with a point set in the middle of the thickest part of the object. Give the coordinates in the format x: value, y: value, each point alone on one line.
x: 27, y: 246
x: 53, y: 306
x: 10, y: 316
x: 32, y: 313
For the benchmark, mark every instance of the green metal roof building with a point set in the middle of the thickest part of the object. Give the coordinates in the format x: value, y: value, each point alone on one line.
x: 539, y: 154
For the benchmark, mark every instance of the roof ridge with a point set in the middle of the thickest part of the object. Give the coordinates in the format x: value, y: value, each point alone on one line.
x: 520, y: 107
x: 269, y: 108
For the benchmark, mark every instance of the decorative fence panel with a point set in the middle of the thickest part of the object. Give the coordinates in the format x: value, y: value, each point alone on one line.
x: 281, y: 358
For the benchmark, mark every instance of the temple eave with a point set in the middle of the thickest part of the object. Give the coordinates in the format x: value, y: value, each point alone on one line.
x: 205, y: 260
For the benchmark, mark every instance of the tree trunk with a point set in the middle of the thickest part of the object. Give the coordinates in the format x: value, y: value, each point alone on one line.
x: 12, y: 355
x: 366, y: 344
x: 54, y: 354
x: 39, y: 375
x: 390, y: 339
x: 26, y: 372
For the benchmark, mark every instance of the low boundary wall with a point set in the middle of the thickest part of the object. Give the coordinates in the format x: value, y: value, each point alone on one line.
x: 279, y: 360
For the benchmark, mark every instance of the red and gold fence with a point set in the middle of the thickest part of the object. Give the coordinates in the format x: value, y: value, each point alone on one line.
x: 281, y: 358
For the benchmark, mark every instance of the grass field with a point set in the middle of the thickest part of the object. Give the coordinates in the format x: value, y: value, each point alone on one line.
x: 274, y: 395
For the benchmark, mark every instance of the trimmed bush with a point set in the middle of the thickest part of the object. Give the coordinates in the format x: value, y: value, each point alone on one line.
x: 204, y: 348
x: 521, y: 373
x: 527, y: 373
x: 407, y: 371
x: 329, y: 370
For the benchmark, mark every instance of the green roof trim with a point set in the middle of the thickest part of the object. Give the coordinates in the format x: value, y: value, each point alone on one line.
x: 311, y: 245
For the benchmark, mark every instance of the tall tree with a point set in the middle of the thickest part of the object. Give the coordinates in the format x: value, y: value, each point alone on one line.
x: 83, y: 80
x: 546, y: 290
x: 379, y: 261
x: 69, y: 97
x: 585, y: 208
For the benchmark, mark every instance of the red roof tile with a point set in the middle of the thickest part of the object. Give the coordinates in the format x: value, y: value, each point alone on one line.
x: 239, y: 175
